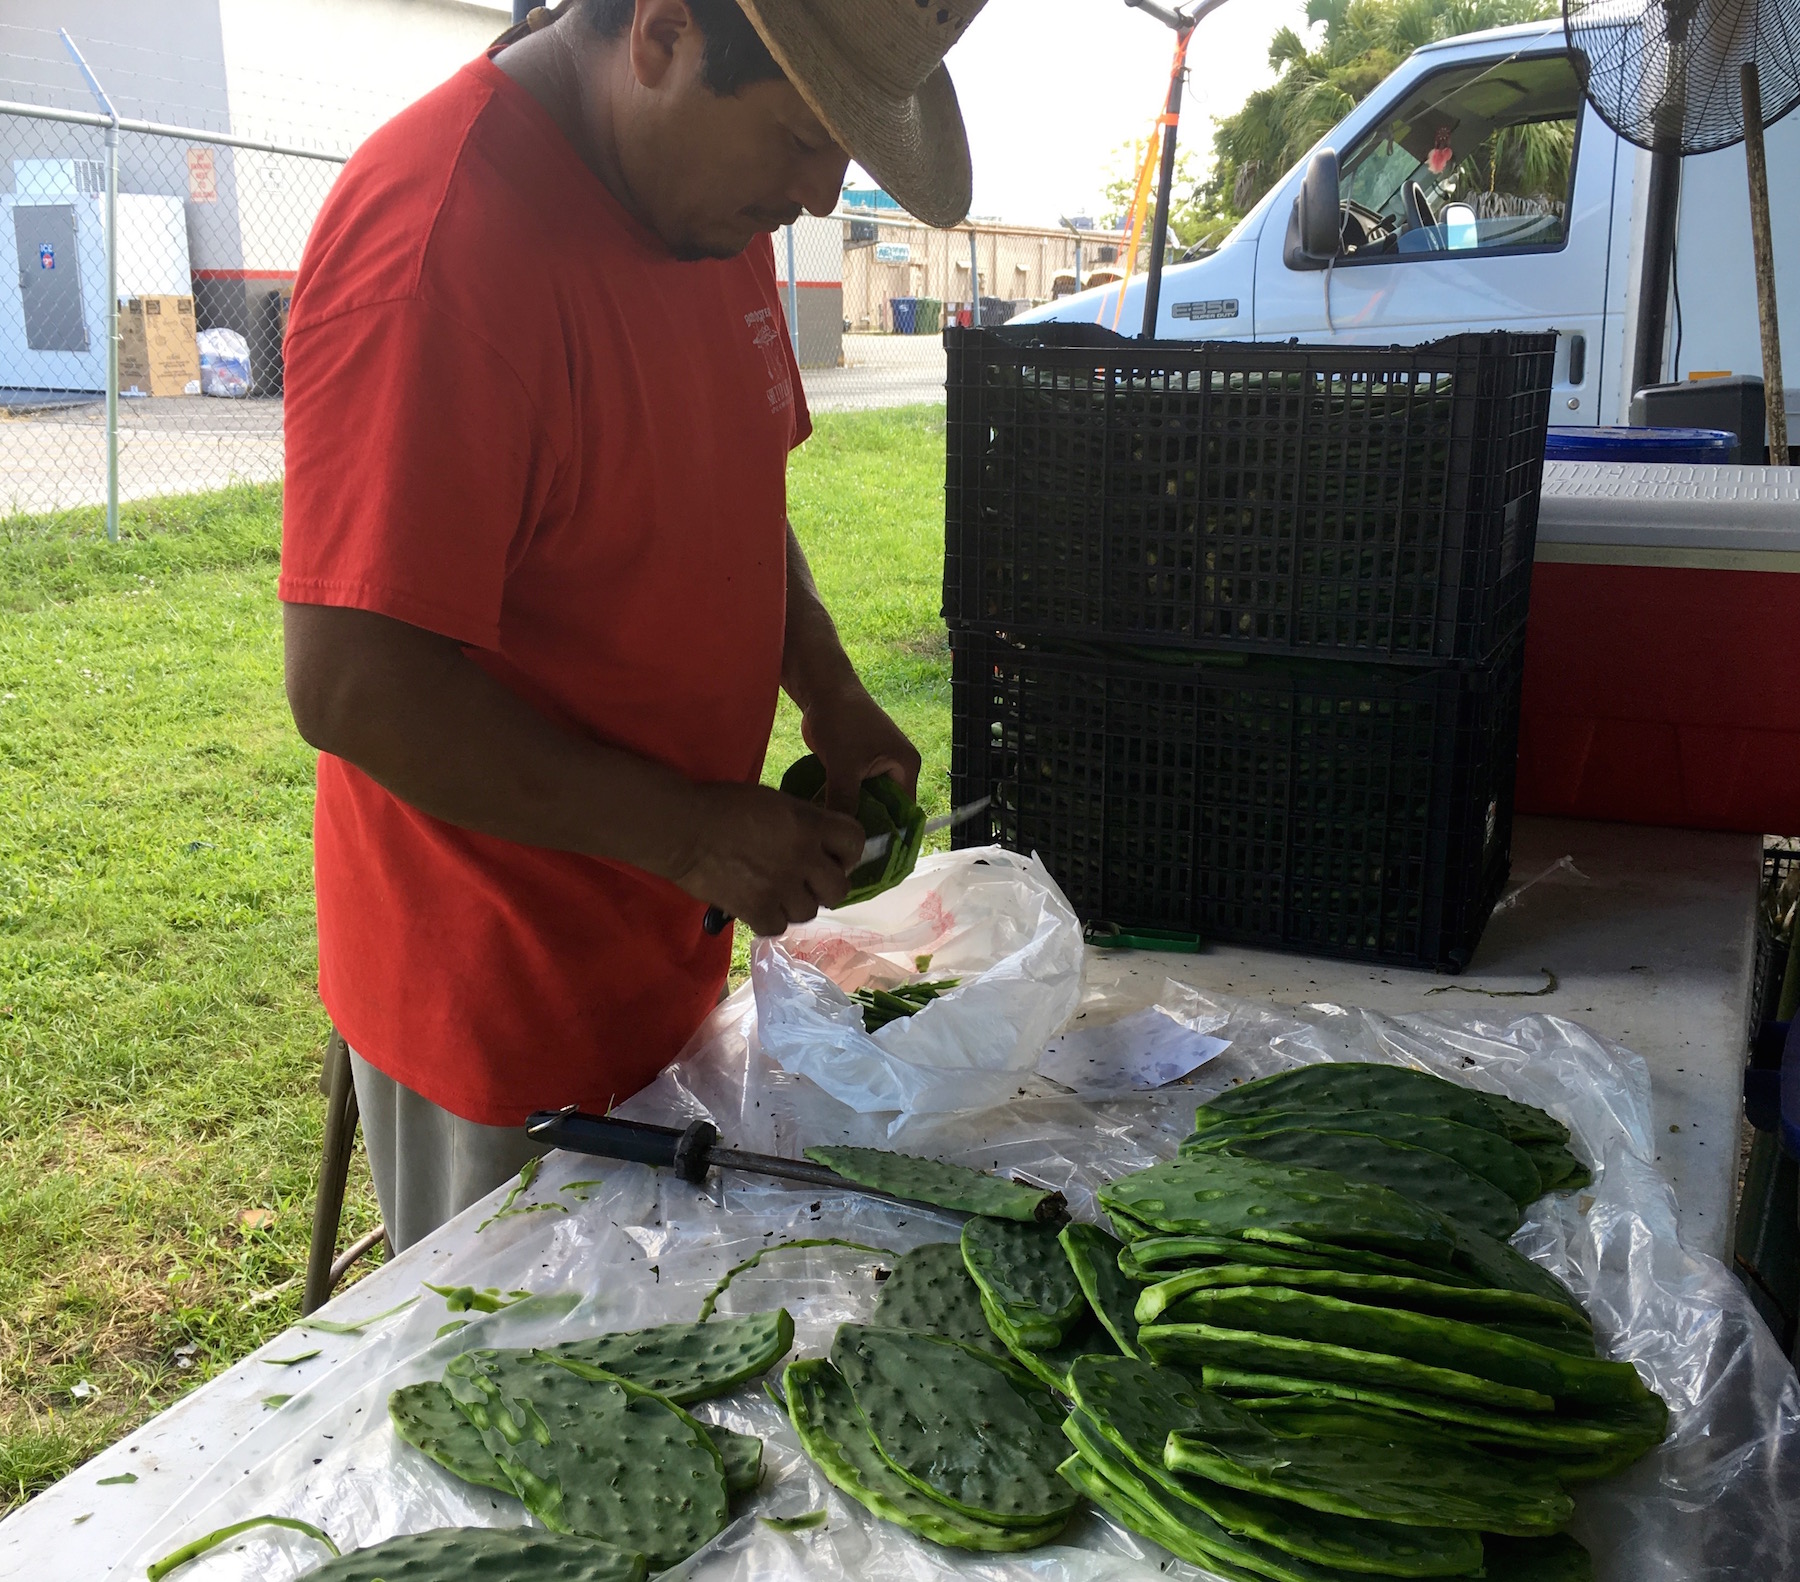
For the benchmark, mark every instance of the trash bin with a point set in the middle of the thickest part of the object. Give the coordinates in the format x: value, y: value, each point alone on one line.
x: 995, y: 311
x: 905, y: 311
x: 1697, y: 447
x: 930, y: 317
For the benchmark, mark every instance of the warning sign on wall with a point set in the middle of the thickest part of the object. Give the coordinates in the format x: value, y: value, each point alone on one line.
x: 203, y: 178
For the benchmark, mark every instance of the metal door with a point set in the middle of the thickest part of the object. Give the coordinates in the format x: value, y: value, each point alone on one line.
x: 50, y: 277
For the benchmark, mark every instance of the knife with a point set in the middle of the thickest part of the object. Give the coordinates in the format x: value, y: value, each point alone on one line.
x: 692, y: 1153
x: 717, y: 921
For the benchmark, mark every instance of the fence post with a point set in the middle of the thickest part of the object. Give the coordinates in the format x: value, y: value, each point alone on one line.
x: 793, y: 297
x: 974, y: 280
x: 112, y: 288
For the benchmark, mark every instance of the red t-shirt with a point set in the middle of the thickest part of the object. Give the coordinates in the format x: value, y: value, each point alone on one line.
x: 513, y: 418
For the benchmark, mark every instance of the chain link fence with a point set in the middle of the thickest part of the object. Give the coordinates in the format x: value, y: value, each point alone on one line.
x: 207, y: 240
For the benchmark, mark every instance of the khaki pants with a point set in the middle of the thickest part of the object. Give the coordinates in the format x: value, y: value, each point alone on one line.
x: 428, y: 1164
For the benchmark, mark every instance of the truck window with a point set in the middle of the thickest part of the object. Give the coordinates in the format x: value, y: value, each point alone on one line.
x: 1478, y: 158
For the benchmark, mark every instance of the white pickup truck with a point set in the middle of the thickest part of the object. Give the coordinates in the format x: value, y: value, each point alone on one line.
x: 1477, y: 190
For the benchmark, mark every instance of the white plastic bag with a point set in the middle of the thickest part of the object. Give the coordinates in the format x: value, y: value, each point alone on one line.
x: 990, y: 917
x: 224, y: 363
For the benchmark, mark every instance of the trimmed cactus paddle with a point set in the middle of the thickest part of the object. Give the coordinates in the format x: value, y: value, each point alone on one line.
x: 686, y: 1362
x: 493, y: 1554
x: 1025, y: 1275
x: 1433, y: 1181
x: 947, y: 1186
x: 835, y: 1435
x: 956, y: 1424
x: 932, y: 1291
x: 1094, y: 1256
x: 1135, y: 1406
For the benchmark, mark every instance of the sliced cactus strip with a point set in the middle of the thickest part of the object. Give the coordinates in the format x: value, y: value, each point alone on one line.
x: 1378, y: 1290
x: 932, y: 1291
x: 1023, y: 1271
x: 686, y: 1362
x: 1437, y: 1342
x: 598, y: 1456
x: 1094, y: 1256
x: 1432, y: 1180
x: 426, y: 1417
x: 1155, y: 1259
x: 490, y: 1554
x: 1134, y: 1407
x: 1354, y: 1085
x: 1197, y: 1346
x: 957, y: 1425
x: 947, y: 1186
x: 1223, y: 1195
x: 834, y: 1433
x: 1485, y: 1153
x: 1354, y: 1466
x: 175, y: 1560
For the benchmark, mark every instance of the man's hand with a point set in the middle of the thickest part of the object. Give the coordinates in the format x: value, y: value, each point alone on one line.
x: 856, y: 741
x: 766, y: 857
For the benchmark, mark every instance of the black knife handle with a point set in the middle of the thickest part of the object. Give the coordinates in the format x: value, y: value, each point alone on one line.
x: 630, y: 1142
x: 716, y: 921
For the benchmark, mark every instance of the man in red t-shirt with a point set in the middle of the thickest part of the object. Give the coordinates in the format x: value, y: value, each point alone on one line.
x: 540, y: 587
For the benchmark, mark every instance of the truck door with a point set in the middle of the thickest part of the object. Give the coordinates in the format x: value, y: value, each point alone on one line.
x: 1479, y: 197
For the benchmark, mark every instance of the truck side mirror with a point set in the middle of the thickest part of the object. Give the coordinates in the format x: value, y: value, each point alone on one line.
x: 1315, y: 229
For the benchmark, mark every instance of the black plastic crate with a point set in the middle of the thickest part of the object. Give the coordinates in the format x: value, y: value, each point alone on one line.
x: 1326, y: 806
x: 1371, y: 501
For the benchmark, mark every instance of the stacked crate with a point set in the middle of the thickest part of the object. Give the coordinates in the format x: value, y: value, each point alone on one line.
x: 1237, y: 627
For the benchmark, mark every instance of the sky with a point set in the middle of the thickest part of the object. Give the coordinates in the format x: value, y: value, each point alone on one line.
x: 1050, y: 89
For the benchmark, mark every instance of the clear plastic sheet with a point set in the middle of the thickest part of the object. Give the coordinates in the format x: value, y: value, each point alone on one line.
x: 1719, y: 1502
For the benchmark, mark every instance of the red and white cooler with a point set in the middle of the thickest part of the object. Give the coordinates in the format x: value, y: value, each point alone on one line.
x: 1662, y: 655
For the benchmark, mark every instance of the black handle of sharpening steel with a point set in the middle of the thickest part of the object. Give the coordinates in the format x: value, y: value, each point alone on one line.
x: 630, y: 1142
x: 716, y: 920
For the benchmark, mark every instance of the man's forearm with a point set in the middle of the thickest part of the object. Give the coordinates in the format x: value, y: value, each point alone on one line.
x: 413, y: 712
x: 814, y: 665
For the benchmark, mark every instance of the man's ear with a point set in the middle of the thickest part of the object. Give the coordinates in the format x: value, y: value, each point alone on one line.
x: 658, y: 32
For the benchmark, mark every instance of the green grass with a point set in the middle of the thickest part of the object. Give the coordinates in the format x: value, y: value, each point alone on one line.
x: 159, y: 1026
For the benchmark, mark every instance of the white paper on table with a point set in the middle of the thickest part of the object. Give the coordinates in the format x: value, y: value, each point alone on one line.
x: 1145, y: 1050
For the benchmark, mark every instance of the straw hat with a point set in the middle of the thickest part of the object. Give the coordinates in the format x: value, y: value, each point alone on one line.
x: 873, y: 72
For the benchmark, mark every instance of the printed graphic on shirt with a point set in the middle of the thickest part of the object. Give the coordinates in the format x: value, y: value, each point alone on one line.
x: 766, y: 336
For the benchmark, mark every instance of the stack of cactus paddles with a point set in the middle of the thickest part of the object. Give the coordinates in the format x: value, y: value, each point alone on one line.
x: 1313, y: 1358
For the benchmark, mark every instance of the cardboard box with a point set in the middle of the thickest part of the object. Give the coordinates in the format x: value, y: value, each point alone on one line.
x: 158, y: 354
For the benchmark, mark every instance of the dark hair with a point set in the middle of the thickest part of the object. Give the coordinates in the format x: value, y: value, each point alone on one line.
x: 736, y: 56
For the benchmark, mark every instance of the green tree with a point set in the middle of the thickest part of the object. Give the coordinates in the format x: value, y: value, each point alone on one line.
x: 1351, y: 46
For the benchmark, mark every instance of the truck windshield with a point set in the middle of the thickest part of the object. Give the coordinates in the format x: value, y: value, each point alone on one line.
x: 1479, y: 157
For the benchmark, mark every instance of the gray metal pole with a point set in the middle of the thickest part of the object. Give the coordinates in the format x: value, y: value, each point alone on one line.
x: 112, y: 335
x: 1763, y: 250
x: 793, y: 296
x: 112, y: 287
x: 974, y: 280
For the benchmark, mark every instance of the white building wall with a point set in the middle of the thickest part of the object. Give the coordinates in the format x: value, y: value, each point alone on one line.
x: 325, y: 74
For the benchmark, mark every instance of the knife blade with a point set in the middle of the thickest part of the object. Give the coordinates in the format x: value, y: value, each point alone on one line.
x: 717, y: 920
x: 877, y: 845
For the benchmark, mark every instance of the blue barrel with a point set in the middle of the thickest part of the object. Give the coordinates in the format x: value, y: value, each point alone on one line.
x: 906, y: 315
x: 1698, y: 447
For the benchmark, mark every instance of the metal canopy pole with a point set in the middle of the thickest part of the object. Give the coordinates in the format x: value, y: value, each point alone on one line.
x: 112, y: 287
x: 1183, y: 20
